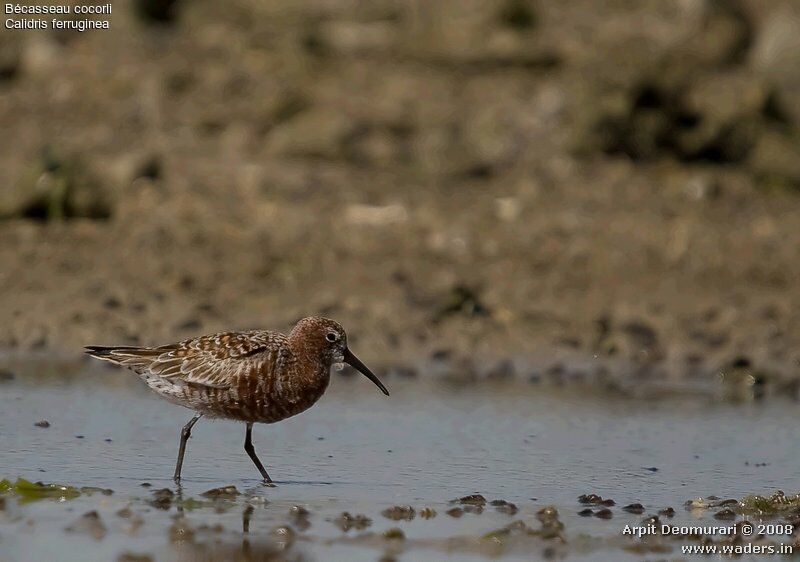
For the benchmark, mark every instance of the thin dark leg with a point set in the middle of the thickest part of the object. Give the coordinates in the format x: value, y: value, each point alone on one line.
x: 251, y: 452
x: 186, y: 432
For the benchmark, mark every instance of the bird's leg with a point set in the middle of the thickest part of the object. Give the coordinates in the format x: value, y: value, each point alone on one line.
x: 251, y: 452
x: 186, y: 432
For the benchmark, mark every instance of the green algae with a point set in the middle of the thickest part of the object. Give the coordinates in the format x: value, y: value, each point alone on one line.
x: 28, y: 491
x: 497, y: 536
x: 776, y: 504
x: 90, y: 490
x: 191, y: 504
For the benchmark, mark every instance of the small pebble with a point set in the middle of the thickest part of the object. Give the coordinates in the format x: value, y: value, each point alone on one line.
x: 604, y: 513
x: 504, y: 506
x: 399, y: 512
x: 225, y: 492
x: 394, y: 534
x: 346, y: 521
x: 284, y: 536
x: 298, y: 511
x: 472, y: 499
x: 697, y: 503
x: 636, y: 508
x: 427, y: 513
x: 594, y: 499
x: 42, y: 423
x: 300, y: 515
x: 162, y: 499
x: 547, y: 513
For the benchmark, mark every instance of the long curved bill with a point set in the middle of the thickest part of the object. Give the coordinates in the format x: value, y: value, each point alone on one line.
x: 354, y: 362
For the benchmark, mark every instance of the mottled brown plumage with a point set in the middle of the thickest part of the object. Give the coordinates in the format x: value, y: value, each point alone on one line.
x: 254, y: 377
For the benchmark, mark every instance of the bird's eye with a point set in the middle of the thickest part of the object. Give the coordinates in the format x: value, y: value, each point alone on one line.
x: 332, y: 336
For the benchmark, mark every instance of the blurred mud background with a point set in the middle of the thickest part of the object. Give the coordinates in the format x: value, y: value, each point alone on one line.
x: 562, y: 189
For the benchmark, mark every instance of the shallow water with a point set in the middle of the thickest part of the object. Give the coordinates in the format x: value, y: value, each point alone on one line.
x: 361, y: 452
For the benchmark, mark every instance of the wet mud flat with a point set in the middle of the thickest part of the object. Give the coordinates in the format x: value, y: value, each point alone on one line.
x: 330, y: 187
x: 437, y: 471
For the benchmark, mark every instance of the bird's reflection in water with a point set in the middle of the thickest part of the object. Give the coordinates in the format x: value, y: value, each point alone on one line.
x: 192, y: 543
x: 246, y: 515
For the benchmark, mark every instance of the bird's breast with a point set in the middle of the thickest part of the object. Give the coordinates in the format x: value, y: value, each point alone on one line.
x: 275, y: 398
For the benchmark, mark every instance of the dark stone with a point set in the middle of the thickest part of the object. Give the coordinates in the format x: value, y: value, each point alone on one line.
x: 225, y: 492
x: 604, y: 513
x: 472, y: 499
x: 399, y: 513
x: 667, y: 512
x: 725, y: 515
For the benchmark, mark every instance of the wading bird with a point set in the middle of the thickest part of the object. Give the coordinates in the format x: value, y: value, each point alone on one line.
x: 254, y: 377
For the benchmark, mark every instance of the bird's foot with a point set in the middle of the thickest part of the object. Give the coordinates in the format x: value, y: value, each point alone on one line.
x: 268, y: 483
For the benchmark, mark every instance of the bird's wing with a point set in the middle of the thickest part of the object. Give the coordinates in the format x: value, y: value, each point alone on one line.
x: 214, y: 361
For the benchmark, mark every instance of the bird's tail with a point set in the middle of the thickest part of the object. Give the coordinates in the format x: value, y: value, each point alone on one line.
x: 122, y: 355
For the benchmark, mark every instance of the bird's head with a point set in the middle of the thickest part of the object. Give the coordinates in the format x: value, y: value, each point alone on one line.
x: 326, y: 340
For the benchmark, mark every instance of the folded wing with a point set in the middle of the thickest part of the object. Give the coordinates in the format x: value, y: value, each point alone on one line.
x: 213, y: 361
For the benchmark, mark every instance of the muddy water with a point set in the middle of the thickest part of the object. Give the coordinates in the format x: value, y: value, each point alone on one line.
x: 360, y: 452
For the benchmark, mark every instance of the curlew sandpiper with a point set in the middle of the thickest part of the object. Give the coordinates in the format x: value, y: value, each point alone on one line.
x: 254, y: 377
